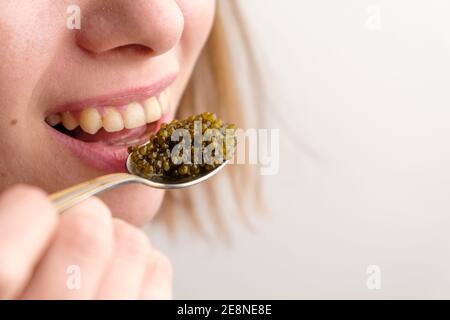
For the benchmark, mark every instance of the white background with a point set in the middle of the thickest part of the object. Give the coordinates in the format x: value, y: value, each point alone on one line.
x: 371, y: 182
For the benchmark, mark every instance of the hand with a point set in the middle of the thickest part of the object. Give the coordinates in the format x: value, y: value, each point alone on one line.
x: 81, y: 254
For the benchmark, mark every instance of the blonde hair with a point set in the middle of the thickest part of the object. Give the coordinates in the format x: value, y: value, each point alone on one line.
x: 214, y: 87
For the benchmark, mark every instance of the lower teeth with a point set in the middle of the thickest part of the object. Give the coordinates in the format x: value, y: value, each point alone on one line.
x: 127, y: 143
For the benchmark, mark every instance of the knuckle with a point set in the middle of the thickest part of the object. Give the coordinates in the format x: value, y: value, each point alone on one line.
x: 89, y: 228
x: 27, y: 198
x: 26, y: 192
x: 30, y: 193
x: 27, y: 189
x: 130, y: 241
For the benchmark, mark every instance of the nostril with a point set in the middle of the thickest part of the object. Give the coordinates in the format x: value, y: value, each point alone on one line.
x: 136, y: 48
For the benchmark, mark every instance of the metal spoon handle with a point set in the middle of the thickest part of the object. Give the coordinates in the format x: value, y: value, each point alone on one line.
x: 67, y: 198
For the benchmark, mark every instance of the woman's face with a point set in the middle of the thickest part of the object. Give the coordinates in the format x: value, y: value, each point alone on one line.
x: 72, y: 100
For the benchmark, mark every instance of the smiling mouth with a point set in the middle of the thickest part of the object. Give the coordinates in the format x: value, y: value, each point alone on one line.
x: 99, y: 132
x: 121, y: 125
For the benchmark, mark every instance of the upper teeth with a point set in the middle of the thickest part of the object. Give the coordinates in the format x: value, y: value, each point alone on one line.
x: 113, y: 119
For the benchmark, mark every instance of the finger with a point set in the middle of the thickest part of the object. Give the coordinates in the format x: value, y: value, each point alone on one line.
x: 158, y: 279
x: 126, y: 270
x: 27, y: 223
x: 74, y: 263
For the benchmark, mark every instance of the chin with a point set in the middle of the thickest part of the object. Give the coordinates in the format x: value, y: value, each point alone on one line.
x: 134, y: 204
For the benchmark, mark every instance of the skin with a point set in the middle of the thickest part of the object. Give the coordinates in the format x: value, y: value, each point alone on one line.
x: 44, y: 64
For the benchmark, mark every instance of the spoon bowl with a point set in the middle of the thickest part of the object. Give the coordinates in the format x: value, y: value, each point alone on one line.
x: 160, y: 181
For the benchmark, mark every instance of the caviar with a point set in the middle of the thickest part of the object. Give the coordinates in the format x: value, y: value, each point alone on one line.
x: 185, y: 148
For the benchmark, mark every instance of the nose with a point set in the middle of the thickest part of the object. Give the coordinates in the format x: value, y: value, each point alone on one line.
x: 153, y: 26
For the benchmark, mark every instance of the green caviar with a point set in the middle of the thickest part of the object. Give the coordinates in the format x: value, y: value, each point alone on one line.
x: 186, y: 148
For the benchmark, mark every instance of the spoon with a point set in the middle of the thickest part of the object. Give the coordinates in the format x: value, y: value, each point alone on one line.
x: 67, y: 198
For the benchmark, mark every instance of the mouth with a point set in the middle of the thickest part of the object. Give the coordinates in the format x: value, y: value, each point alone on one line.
x: 99, y: 131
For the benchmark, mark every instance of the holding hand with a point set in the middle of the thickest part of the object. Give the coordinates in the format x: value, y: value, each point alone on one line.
x: 84, y: 253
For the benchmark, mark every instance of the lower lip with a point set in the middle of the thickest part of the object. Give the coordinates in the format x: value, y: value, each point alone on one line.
x: 98, y: 155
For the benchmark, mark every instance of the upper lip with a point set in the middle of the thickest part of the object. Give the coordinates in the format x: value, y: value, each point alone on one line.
x: 118, y: 98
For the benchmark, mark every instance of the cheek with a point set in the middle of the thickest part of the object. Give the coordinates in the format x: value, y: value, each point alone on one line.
x: 29, y: 34
x: 198, y: 20
x: 28, y: 31
x: 135, y: 204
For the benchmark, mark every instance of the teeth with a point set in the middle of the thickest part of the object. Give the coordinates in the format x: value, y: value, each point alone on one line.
x: 152, y: 110
x: 90, y: 120
x: 53, y: 119
x: 164, y: 102
x: 112, y: 120
x: 134, y: 116
x: 69, y: 122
